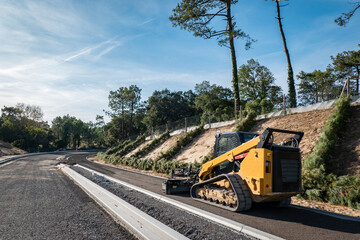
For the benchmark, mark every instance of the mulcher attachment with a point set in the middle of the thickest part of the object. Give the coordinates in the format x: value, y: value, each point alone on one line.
x: 176, y: 186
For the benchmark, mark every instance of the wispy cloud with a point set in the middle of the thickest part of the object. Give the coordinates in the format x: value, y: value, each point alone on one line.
x: 147, y: 21
x: 103, y: 47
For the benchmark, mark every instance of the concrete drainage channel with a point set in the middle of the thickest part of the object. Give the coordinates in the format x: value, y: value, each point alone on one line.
x: 136, y: 221
x: 192, y: 222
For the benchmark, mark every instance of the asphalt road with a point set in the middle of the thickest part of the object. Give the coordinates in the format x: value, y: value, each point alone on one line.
x: 38, y: 202
x: 289, y: 223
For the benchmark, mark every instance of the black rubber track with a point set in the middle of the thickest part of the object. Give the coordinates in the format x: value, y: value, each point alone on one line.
x: 239, y: 187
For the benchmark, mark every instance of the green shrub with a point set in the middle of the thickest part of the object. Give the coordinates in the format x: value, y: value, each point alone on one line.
x: 247, y: 123
x: 325, y: 144
x: 318, y: 181
x: 131, y: 146
x: 152, y: 145
x: 180, y: 143
x: 345, y: 190
x: 118, y: 147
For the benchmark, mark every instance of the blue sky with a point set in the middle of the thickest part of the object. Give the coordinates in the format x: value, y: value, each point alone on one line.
x: 65, y: 56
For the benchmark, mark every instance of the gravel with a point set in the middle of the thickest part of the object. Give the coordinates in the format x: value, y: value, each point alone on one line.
x: 191, y: 226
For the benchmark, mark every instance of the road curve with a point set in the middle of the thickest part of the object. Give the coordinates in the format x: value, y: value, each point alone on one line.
x: 38, y: 202
x: 288, y: 223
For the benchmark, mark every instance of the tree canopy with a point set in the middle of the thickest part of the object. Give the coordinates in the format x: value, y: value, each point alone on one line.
x: 197, y: 16
x: 165, y: 106
x: 317, y: 86
x: 257, y: 88
x: 347, y: 65
x: 215, y: 102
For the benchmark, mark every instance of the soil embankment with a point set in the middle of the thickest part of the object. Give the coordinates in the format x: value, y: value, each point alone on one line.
x: 144, y: 144
x: 165, y: 146
x: 7, y: 149
x: 201, y: 145
x: 311, y: 123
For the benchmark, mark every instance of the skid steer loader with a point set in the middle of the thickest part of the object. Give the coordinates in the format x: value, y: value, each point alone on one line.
x: 247, y: 168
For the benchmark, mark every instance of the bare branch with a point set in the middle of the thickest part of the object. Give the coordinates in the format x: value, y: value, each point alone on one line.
x: 345, y: 18
x: 216, y: 14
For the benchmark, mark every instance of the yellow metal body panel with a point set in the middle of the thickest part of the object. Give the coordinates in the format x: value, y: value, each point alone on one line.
x: 253, y: 171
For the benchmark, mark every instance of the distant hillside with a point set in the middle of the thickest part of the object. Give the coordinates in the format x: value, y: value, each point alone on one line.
x: 7, y: 149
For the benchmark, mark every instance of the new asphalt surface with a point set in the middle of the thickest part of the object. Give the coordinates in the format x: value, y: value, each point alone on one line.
x: 38, y: 202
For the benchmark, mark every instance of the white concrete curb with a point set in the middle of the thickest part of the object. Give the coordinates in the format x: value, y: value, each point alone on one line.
x: 137, y: 222
x: 207, y: 215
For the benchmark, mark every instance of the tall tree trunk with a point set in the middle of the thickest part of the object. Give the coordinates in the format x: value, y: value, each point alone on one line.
x: 235, y: 81
x: 122, y: 121
x: 291, y: 82
x: 357, y: 79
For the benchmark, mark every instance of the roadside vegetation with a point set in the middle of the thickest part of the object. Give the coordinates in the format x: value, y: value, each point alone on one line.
x: 318, y: 180
x: 162, y: 163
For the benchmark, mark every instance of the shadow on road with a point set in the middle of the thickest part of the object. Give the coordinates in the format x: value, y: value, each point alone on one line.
x: 305, y: 217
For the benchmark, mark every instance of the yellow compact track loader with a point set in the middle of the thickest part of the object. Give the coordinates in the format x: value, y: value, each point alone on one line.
x: 247, y: 168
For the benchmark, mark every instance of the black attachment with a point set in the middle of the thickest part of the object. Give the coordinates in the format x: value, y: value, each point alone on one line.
x: 175, y: 186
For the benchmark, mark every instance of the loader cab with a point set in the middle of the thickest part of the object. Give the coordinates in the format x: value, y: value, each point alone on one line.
x: 224, y: 142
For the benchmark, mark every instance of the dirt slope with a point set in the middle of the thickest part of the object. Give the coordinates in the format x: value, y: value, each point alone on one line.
x: 311, y: 123
x: 170, y: 142
x: 346, y: 158
x: 7, y: 149
x: 201, y: 145
x: 138, y: 148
